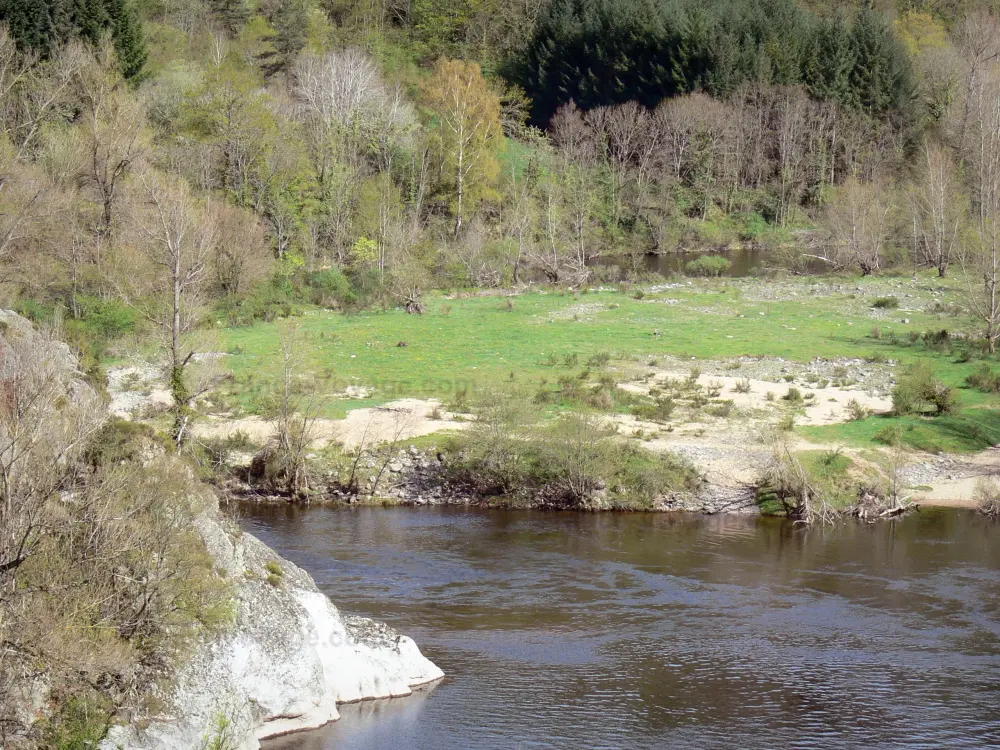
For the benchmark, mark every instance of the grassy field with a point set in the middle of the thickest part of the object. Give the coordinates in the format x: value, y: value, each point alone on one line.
x: 464, y: 342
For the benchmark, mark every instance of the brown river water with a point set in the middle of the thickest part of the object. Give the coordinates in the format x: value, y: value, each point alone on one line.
x: 562, y: 630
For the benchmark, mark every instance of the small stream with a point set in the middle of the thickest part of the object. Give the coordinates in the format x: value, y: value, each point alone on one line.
x: 563, y: 630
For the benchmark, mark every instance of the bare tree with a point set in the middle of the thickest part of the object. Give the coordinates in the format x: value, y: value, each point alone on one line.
x: 240, y: 256
x: 40, y: 434
x: 859, y: 222
x: 176, y: 237
x: 791, y: 123
x: 939, y: 210
x: 627, y: 139
x: 980, y: 258
x: 572, y: 134
x: 293, y: 416
x: 115, y: 135
x: 345, y: 99
x: 388, y: 444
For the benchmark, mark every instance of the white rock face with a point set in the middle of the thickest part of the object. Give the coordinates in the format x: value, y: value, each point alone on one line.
x: 284, y: 667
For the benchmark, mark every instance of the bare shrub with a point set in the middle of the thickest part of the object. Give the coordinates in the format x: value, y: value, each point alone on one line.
x: 788, y: 481
x: 987, y: 496
x: 856, y: 411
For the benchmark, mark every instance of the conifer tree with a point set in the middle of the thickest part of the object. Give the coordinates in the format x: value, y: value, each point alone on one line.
x: 29, y: 21
x: 130, y: 44
x: 90, y: 19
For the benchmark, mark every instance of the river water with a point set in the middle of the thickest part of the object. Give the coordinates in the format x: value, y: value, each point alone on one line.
x: 742, y: 262
x: 563, y: 630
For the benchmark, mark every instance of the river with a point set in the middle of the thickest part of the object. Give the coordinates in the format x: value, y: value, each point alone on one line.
x: 563, y: 630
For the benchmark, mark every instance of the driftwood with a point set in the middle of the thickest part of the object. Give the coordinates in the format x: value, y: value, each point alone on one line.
x: 871, y: 507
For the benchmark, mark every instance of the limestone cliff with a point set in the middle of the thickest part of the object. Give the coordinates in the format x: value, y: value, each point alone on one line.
x: 290, y: 658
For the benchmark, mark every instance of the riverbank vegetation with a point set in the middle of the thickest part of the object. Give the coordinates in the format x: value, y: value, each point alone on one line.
x: 426, y: 190
x: 287, y: 237
x: 104, y: 580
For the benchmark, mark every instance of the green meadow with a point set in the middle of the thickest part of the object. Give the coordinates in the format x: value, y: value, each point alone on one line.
x: 463, y: 342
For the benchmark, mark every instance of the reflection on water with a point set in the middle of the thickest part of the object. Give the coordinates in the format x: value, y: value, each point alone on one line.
x: 743, y: 262
x: 651, y: 631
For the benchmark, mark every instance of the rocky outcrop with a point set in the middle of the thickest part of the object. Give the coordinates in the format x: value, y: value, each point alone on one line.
x: 284, y: 665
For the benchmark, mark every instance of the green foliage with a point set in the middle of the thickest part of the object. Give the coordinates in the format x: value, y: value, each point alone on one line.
x: 985, y: 379
x: 598, y: 52
x: 81, y: 722
x: 889, y: 435
x: 130, y: 43
x: 793, y: 396
x: 108, y: 318
x: 919, y: 390
x: 121, y: 441
x: 331, y: 288
x: 708, y: 265
x: 269, y: 301
x: 886, y: 303
x: 573, y: 461
x: 44, y: 25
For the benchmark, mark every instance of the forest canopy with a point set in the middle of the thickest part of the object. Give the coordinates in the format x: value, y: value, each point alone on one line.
x: 44, y: 25
x: 601, y: 52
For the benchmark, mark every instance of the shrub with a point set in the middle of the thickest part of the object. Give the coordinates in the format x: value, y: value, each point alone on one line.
x: 919, y: 389
x: 984, y: 379
x: 794, y: 395
x: 600, y: 359
x: 938, y: 340
x: 721, y: 409
x: 742, y: 385
x: 573, y: 461
x: 121, y: 441
x: 708, y: 266
x: 787, y: 423
x: 755, y: 225
x: 885, y: 303
x: 330, y: 288
x: 269, y: 301
x: 659, y: 410
x: 856, y: 412
x: 889, y: 435
x: 108, y: 318
x: 987, y: 496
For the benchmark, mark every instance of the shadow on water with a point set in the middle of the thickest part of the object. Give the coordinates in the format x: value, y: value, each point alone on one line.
x: 649, y: 631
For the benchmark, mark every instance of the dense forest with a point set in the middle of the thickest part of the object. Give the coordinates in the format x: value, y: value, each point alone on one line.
x: 173, y: 171
x: 169, y: 162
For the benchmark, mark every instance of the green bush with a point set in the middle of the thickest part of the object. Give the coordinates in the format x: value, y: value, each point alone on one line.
x: 707, y: 265
x: 568, y: 463
x: 984, y: 379
x: 755, y: 225
x: 794, y: 395
x: 80, y: 723
x: 885, y: 303
x: 121, y: 441
x: 108, y: 318
x: 918, y: 391
x: 331, y: 288
x: 889, y: 435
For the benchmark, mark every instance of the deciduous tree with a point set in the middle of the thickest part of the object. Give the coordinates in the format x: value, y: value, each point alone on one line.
x: 468, y: 133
